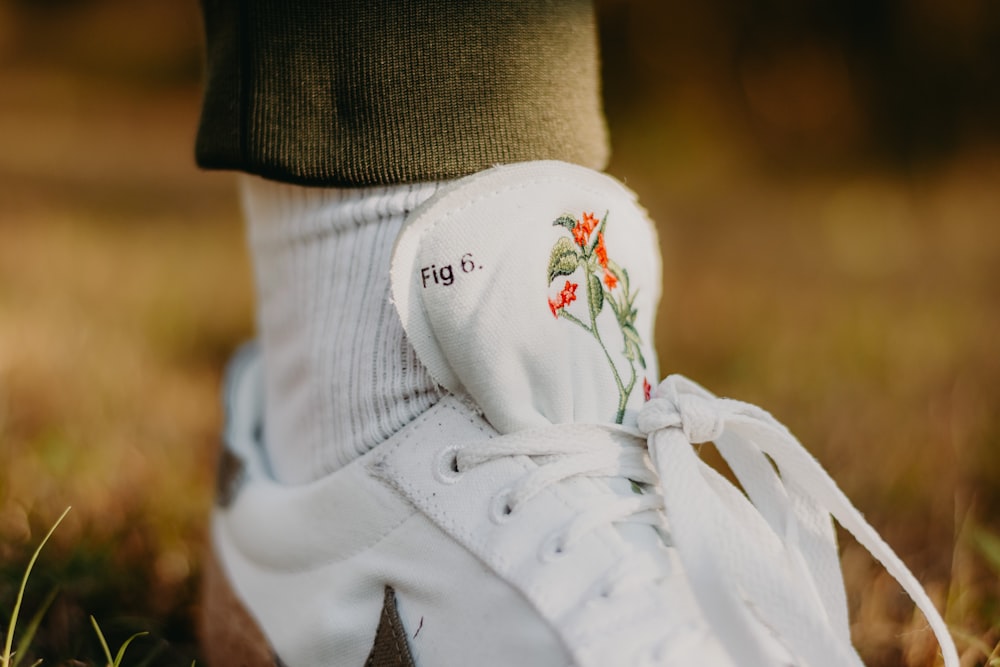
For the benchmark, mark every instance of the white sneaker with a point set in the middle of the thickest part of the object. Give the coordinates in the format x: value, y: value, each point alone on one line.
x: 543, y: 513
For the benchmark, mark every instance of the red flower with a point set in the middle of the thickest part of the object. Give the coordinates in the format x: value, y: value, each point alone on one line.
x: 567, y: 295
x: 610, y: 280
x: 583, y: 229
x: 601, y: 251
x: 647, y: 390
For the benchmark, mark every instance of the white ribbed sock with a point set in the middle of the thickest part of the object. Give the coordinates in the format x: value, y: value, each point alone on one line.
x: 340, y: 374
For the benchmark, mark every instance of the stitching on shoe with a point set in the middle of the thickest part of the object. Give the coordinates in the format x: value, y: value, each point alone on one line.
x: 440, y: 517
x: 392, y: 616
x: 536, y: 589
x: 390, y: 629
x: 524, y: 186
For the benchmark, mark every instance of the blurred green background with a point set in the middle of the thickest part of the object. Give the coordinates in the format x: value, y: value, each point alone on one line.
x: 826, y: 177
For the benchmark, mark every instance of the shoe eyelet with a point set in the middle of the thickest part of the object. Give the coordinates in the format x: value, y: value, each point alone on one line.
x: 446, y: 465
x: 552, y: 548
x: 500, y: 509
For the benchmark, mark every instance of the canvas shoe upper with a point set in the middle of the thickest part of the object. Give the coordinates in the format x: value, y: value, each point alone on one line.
x: 543, y: 513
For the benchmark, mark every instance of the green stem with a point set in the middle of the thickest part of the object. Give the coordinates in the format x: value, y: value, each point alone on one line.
x: 564, y: 313
x: 622, y: 394
x: 626, y: 394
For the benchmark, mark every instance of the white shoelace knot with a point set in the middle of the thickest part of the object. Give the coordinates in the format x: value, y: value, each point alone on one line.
x: 763, y: 565
x: 762, y: 562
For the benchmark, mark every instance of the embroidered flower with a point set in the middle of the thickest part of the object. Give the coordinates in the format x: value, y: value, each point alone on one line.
x: 567, y: 295
x: 601, y: 251
x: 606, y: 284
x: 584, y: 228
x: 647, y: 390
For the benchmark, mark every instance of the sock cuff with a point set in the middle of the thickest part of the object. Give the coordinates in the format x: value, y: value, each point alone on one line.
x: 283, y: 213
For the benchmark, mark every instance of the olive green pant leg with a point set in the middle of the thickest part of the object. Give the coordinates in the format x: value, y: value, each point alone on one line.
x: 367, y: 92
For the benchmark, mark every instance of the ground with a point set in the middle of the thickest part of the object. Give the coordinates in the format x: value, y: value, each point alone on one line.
x: 860, y: 306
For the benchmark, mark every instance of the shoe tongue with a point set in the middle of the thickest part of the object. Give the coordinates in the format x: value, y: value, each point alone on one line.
x: 532, y: 289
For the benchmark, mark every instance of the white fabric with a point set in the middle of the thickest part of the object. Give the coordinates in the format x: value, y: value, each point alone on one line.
x: 770, y: 557
x: 488, y: 331
x: 340, y: 375
x: 310, y: 562
x: 579, y: 547
x: 740, y: 584
x: 550, y: 535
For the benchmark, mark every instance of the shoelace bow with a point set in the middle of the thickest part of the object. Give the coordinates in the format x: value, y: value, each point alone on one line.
x: 768, y: 557
x: 765, y: 560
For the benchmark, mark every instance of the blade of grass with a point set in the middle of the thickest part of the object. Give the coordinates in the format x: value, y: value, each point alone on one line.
x: 117, y: 660
x: 5, y: 658
x: 104, y: 642
x: 29, y: 632
x: 121, y: 651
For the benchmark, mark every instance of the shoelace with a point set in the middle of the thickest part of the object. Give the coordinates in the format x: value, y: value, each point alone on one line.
x: 574, y: 450
x: 766, y: 560
x: 768, y: 557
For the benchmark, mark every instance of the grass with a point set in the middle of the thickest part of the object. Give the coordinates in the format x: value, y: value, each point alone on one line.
x: 9, y: 657
x: 115, y: 661
x: 860, y: 307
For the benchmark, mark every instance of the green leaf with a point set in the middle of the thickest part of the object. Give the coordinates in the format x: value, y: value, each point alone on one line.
x: 595, y: 295
x: 629, y: 312
x: 633, y: 344
x: 615, y: 307
x: 567, y: 221
x: 564, y: 259
x: 604, y: 222
x: 620, y: 273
